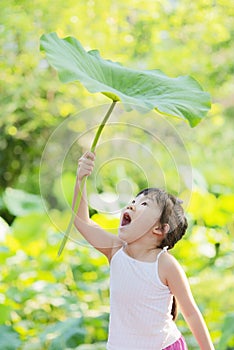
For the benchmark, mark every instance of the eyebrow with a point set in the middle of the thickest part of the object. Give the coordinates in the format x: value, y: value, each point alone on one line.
x: 151, y: 199
x: 148, y: 198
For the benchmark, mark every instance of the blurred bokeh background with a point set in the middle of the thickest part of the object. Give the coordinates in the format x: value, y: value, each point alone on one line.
x: 56, y: 304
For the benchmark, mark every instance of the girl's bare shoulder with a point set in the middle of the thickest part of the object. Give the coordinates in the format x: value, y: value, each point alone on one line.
x: 168, y: 267
x: 168, y: 259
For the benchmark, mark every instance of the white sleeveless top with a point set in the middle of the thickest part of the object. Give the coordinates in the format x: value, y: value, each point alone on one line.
x: 140, y: 306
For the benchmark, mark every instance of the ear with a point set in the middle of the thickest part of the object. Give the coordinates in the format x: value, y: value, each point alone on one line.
x: 161, y: 229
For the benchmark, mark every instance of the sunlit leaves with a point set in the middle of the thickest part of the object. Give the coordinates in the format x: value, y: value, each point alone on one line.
x: 213, y: 211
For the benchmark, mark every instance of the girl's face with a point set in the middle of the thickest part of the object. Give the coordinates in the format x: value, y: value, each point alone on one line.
x: 138, y: 218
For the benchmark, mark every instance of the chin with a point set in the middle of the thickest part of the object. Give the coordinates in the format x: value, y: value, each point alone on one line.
x: 124, y: 236
x: 121, y: 233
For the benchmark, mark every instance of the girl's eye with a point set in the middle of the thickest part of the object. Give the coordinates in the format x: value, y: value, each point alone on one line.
x: 144, y: 203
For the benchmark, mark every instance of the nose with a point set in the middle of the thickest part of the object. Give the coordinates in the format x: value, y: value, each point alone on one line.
x: 131, y: 207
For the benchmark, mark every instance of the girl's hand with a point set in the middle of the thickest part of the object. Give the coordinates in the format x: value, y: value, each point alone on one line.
x: 85, y: 165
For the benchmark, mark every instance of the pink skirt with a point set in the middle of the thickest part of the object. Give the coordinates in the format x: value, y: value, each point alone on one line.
x: 178, y: 345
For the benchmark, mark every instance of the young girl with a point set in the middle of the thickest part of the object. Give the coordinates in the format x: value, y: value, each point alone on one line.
x: 145, y: 280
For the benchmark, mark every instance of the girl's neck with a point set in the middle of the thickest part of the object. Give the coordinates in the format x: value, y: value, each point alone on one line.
x: 138, y: 252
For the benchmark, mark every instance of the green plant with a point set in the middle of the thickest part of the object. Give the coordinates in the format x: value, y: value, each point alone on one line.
x: 143, y: 90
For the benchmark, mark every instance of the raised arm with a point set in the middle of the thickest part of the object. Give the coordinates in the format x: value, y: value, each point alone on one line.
x: 102, y: 240
x: 179, y: 287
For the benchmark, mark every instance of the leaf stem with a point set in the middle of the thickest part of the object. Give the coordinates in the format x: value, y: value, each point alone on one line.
x: 101, y: 126
x: 78, y: 199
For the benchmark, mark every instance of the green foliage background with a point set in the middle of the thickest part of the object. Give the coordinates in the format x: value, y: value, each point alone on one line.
x: 46, y: 303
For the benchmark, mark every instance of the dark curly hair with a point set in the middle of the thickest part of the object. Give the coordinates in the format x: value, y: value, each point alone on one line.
x: 172, y: 214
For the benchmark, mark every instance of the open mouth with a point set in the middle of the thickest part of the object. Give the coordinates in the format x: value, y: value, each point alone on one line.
x: 126, y: 219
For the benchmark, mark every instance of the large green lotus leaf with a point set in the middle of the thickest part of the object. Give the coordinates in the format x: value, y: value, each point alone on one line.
x: 142, y: 90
